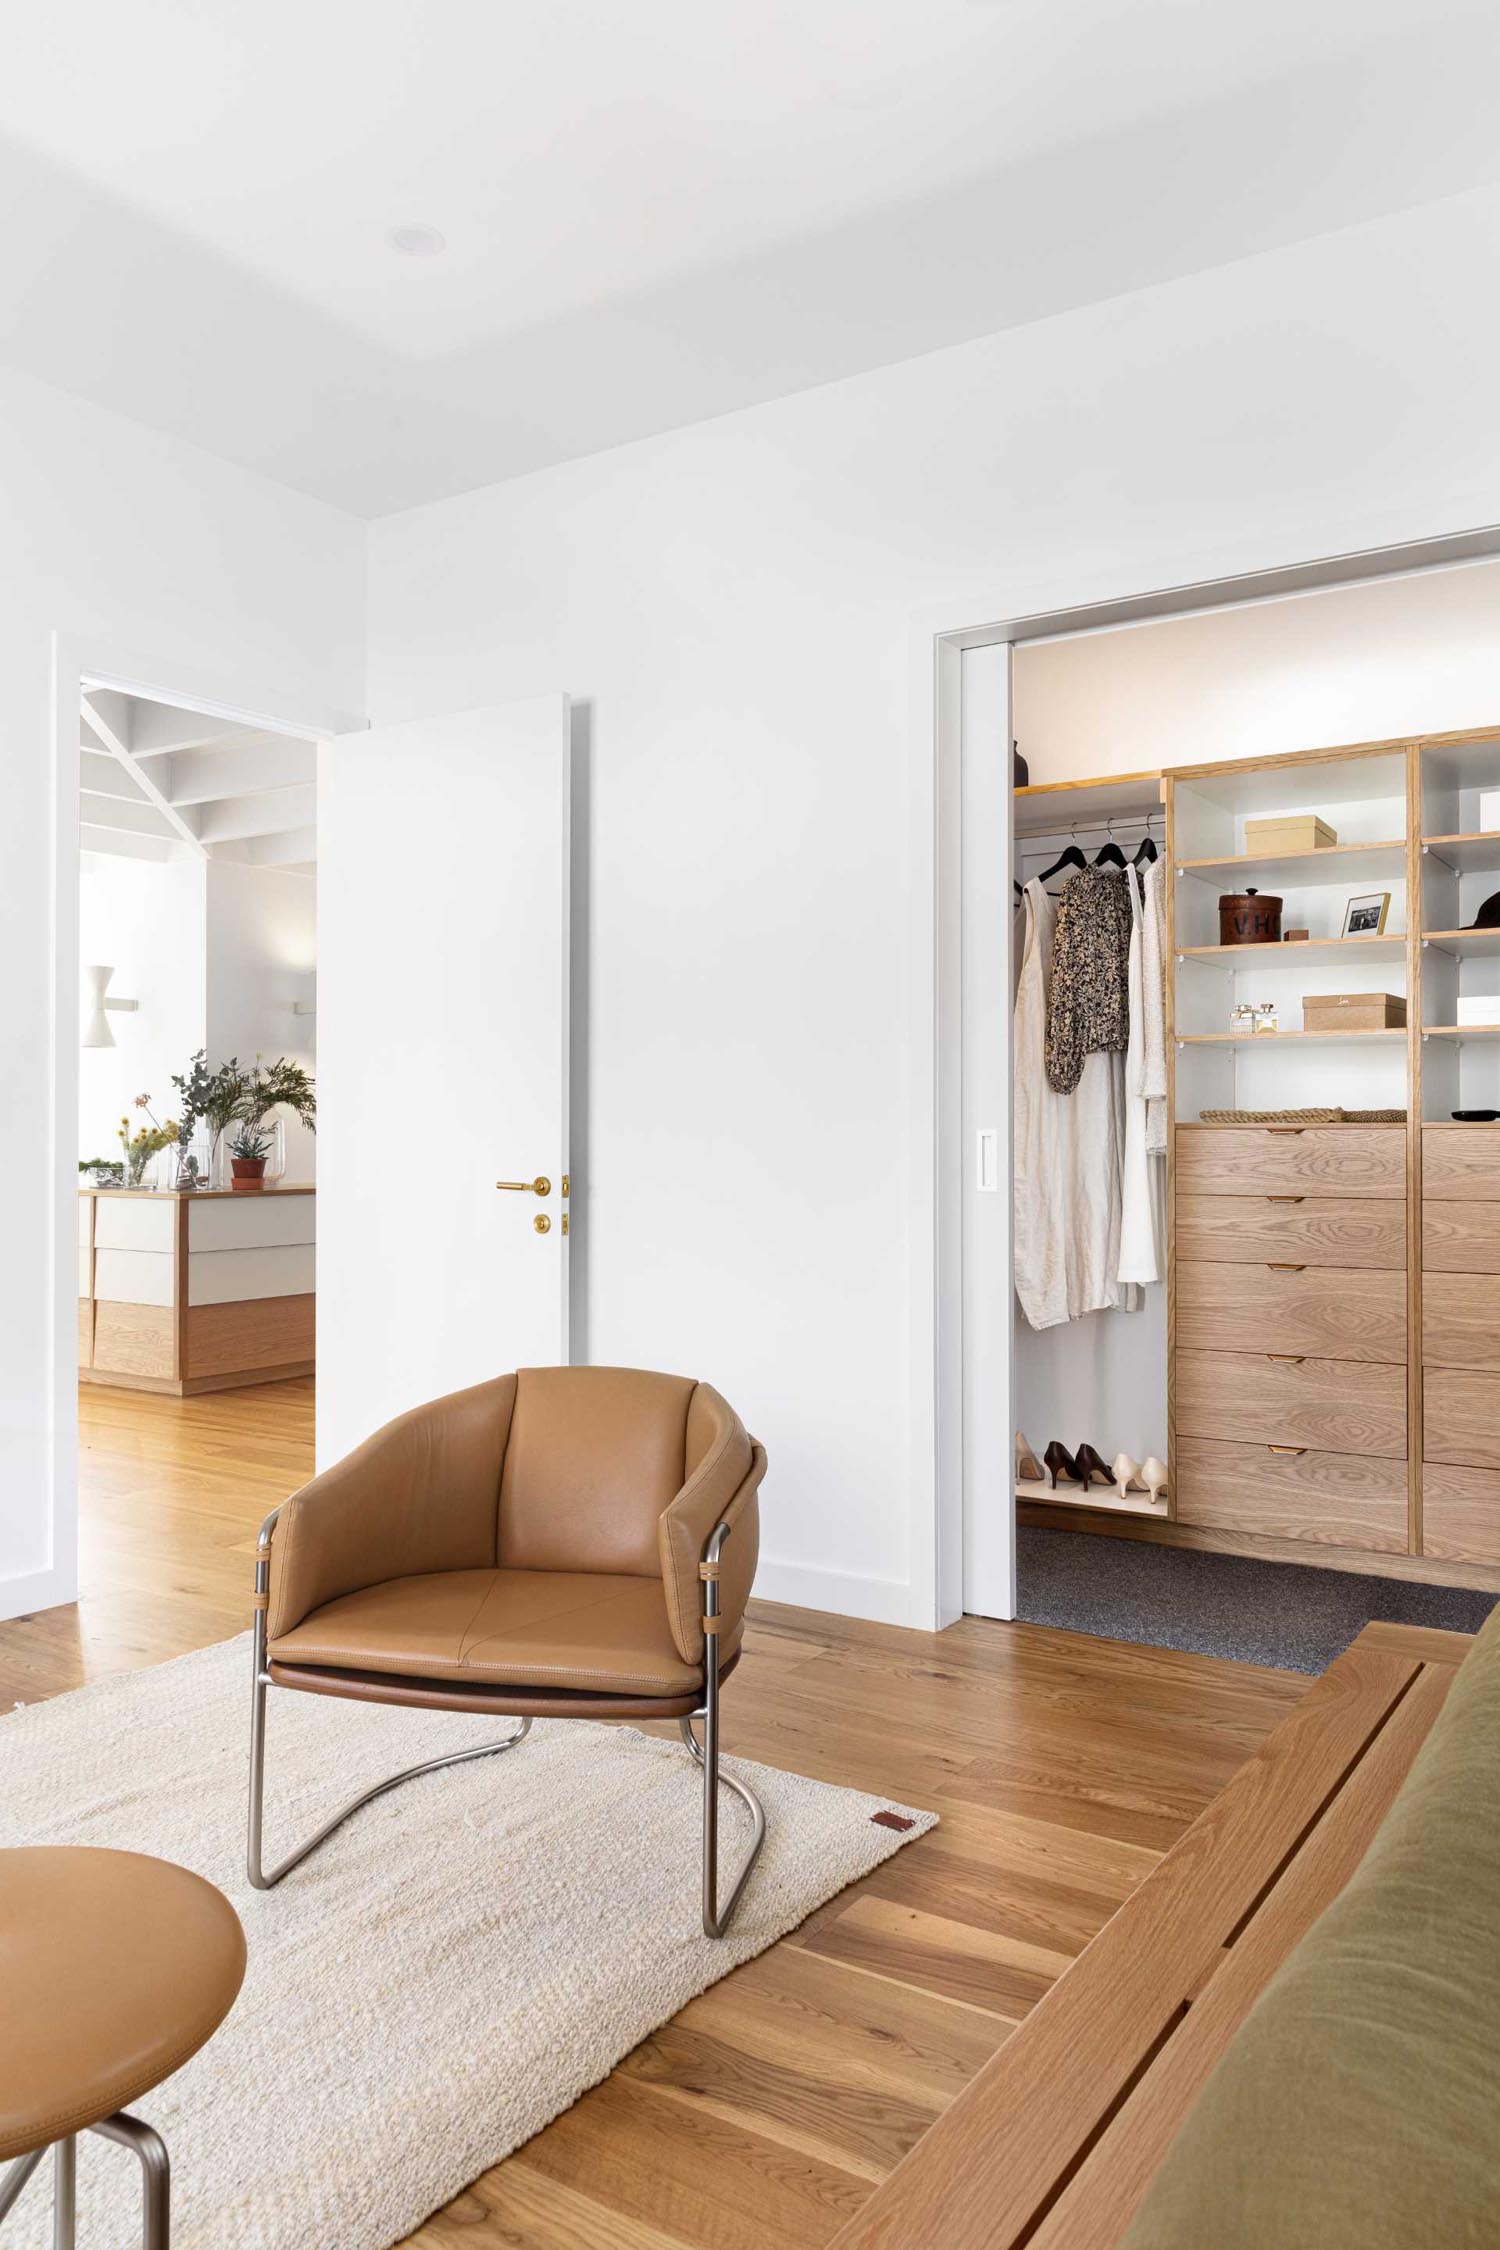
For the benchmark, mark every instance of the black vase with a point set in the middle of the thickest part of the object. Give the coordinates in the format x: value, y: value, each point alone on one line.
x: 1020, y: 772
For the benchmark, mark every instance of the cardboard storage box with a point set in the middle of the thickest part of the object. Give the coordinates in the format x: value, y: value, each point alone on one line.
x: 1354, y: 1011
x: 1289, y: 832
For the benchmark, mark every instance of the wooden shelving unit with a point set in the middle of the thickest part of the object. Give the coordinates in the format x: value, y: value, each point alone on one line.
x: 1476, y: 944
x: 1270, y: 1039
x: 1288, y: 870
x: 1478, y: 848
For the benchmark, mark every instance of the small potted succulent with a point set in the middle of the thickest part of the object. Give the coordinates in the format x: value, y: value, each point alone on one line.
x: 266, y: 1089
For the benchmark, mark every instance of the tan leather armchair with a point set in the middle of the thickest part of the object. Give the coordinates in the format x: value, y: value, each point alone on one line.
x: 566, y: 1542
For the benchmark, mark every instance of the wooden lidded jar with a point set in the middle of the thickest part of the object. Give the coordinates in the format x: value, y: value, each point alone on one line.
x: 1249, y: 918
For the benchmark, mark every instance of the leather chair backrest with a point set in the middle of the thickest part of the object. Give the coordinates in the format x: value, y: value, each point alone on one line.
x: 594, y: 1456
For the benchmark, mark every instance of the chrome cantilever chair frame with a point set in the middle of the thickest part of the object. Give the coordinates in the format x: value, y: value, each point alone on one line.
x: 716, y: 1919
x: 156, y: 2180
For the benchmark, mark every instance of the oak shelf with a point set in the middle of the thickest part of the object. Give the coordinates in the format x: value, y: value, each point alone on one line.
x: 1098, y: 1499
x: 1335, y: 862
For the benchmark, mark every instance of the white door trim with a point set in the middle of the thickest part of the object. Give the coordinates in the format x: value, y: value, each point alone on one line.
x: 938, y: 636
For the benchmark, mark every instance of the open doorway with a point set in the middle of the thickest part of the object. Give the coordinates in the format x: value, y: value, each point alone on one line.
x: 1276, y: 1372
x: 198, y: 1057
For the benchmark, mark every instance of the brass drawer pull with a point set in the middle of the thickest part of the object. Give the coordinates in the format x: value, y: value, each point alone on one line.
x: 1288, y: 1359
x: 1286, y: 1128
x: 1286, y: 1449
x: 1286, y: 1198
x: 1273, y: 1267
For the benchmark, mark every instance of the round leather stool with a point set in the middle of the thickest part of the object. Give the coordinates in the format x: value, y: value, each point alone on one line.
x: 115, y: 1968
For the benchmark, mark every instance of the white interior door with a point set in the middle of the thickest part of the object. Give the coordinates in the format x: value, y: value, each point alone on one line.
x: 442, y: 1058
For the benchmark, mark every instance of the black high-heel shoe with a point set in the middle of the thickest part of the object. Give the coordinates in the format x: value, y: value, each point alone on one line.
x: 1059, y: 1462
x: 1090, y: 1464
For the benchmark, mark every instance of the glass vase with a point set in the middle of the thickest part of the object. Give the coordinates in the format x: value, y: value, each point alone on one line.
x: 189, y: 1161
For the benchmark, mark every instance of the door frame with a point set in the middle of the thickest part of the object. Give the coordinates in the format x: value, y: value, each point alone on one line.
x: 219, y: 691
x: 938, y: 637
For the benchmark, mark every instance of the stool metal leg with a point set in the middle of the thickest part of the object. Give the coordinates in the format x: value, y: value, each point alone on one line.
x: 65, y: 2194
x: 156, y: 2174
x: 16, y: 2176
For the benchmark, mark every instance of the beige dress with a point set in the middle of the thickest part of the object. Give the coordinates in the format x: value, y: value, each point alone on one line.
x: 1068, y: 1154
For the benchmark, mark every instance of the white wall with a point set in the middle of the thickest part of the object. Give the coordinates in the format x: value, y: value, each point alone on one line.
x: 175, y: 570
x: 734, y: 602
x: 262, y: 952
x: 1349, y: 664
x: 146, y: 918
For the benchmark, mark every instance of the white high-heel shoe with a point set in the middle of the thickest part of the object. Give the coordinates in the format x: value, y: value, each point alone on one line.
x: 1127, y: 1473
x: 1028, y: 1467
x: 1154, y: 1478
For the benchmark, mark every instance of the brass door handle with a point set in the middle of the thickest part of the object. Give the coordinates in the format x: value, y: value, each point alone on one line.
x: 1286, y: 1449
x: 541, y: 1185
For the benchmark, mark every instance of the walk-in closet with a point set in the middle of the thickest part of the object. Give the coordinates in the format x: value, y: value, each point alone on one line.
x: 1309, y: 1371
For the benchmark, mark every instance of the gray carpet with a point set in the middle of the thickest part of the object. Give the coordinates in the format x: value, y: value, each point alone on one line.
x: 1220, y: 1605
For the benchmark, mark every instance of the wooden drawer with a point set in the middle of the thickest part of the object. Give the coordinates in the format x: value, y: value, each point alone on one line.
x: 1461, y: 1322
x: 1460, y: 1237
x: 1460, y: 1514
x: 1342, y: 1160
x: 1324, y: 1312
x: 1315, y: 1230
x: 1257, y: 1398
x: 1461, y: 1161
x: 1329, y: 1499
x: 1461, y: 1416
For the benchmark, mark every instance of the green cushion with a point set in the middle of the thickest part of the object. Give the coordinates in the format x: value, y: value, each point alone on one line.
x: 1359, y: 2106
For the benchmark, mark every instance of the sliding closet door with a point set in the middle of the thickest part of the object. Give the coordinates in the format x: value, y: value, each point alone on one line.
x: 988, y: 1451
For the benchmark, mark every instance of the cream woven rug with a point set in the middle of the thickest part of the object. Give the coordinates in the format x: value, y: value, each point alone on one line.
x: 450, y: 1971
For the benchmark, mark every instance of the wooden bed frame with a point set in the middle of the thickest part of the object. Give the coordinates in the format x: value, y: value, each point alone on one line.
x: 1052, y: 2145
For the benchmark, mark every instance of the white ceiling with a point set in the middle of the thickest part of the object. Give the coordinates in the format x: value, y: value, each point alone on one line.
x: 156, y: 782
x: 659, y: 212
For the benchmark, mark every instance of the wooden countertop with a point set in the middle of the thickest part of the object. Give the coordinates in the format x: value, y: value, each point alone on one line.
x: 204, y: 1195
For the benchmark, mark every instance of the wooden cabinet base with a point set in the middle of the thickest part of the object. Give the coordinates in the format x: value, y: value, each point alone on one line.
x: 1460, y: 1514
x: 221, y: 1347
x: 1324, y: 1499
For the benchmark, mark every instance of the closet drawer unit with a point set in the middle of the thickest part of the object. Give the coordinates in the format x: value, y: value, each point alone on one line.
x: 1461, y: 1321
x: 1263, y: 1398
x: 1342, y: 1160
x: 1460, y: 1237
x: 1460, y: 1514
x: 1461, y: 1416
x: 1461, y: 1162
x: 1313, y: 1230
x: 1327, y: 1499
x: 1324, y: 1312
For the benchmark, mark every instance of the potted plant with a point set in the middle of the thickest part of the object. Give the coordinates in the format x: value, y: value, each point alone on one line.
x: 147, y: 1142
x: 269, y: 1087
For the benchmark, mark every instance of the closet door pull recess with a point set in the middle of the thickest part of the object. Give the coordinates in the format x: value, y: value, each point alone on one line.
x: 1298, y: 1449
x: 1286, y: 1198
x: 1273, y: 1267
x: 1287, y: 1359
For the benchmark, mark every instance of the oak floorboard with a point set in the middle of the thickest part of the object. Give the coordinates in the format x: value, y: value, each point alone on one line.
x: 764, y: 2113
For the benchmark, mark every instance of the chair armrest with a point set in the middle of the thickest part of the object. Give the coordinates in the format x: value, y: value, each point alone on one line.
x: 726, y: 1468
x: 421, y: 1494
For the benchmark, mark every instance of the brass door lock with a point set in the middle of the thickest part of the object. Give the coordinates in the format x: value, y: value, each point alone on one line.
x: 542, y: 1223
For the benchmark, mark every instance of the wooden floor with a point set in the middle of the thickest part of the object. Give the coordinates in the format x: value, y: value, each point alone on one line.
x: 765, y: 2113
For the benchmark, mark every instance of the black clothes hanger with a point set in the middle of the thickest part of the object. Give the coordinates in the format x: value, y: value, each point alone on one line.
x: 1145, y: 852
x: 1072, y: 857
x: 1110, y: 856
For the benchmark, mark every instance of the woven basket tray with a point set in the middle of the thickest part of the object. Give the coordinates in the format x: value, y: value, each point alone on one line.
x: 1302, y: 1117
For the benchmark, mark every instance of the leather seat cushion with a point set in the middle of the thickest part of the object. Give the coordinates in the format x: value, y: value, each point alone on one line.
x: 530, y: 1628
x: 114, y: 1968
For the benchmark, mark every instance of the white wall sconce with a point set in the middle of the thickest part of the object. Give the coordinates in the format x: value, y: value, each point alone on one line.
x: 96, y: 1031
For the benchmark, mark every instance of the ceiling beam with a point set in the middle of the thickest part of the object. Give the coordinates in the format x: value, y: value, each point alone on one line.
x: 114, y: 843
x: 196, y: 777
x: 289, y: 848
x: 110, y: 716
x: 128, y: 814
x: 228, y: 820
x: 160, y: 728
x: 100, y: 775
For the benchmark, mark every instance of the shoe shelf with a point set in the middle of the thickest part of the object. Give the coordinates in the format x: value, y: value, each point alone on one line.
x: 1098, y: 1499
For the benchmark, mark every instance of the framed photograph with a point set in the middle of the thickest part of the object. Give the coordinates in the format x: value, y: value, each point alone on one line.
x: 1365, y: 916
